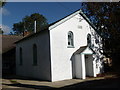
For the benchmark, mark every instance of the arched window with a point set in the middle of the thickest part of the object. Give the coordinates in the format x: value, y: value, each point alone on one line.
x: 70, y: 39
x: 89, y: 40
x: 20, y: 55
x: 34, y: 54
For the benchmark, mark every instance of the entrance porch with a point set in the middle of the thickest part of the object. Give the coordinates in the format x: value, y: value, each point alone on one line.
x: 84, y: 64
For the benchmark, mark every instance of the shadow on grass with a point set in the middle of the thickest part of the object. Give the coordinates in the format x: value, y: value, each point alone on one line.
x: 103, y: 83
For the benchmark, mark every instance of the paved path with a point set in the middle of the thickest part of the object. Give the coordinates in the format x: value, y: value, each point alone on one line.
x: 35, y: 84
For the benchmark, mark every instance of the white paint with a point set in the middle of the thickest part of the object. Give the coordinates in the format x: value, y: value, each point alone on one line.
x: 94, y: 68
x: 59, y: 50
x: 35, y: 26
x: 87, y: 51
x: 56, y: 60
x: 43, y: 70
x: 65, y: 19
x: 78, y: 66
x: 83, y: 66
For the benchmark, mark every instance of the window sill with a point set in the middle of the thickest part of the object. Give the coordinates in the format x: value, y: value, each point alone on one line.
x: 70, y: 47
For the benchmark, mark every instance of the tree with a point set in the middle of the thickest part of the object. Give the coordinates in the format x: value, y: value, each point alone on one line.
x: 105, y: 16
x: 1, y: 31
x: 27, y: 23
x: 2, y: 3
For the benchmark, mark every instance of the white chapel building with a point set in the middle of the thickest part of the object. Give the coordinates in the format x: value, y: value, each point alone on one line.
x: 69, y: 48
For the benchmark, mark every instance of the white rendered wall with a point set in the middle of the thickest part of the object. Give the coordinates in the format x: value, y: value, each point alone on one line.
x: 87, y: 63
x: 60, y: 53
x: 55, y: 58
x: 78, y: 66
x: 97, y: 47
x: 43, y: 70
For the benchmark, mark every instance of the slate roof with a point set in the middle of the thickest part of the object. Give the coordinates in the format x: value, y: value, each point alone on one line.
x: 31, y: 35
x: 82, y: 48
x: 8, y: 42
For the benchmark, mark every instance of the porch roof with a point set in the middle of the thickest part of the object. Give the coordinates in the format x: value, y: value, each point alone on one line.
x: 84, y: 50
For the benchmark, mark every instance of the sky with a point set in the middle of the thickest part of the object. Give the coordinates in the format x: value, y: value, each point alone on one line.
x: 13, y: 12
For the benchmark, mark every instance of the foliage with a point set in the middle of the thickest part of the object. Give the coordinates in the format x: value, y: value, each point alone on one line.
x: 27, y: 23
x: 2, y: 3
x: 106, y: 17
x: 1, y: 31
